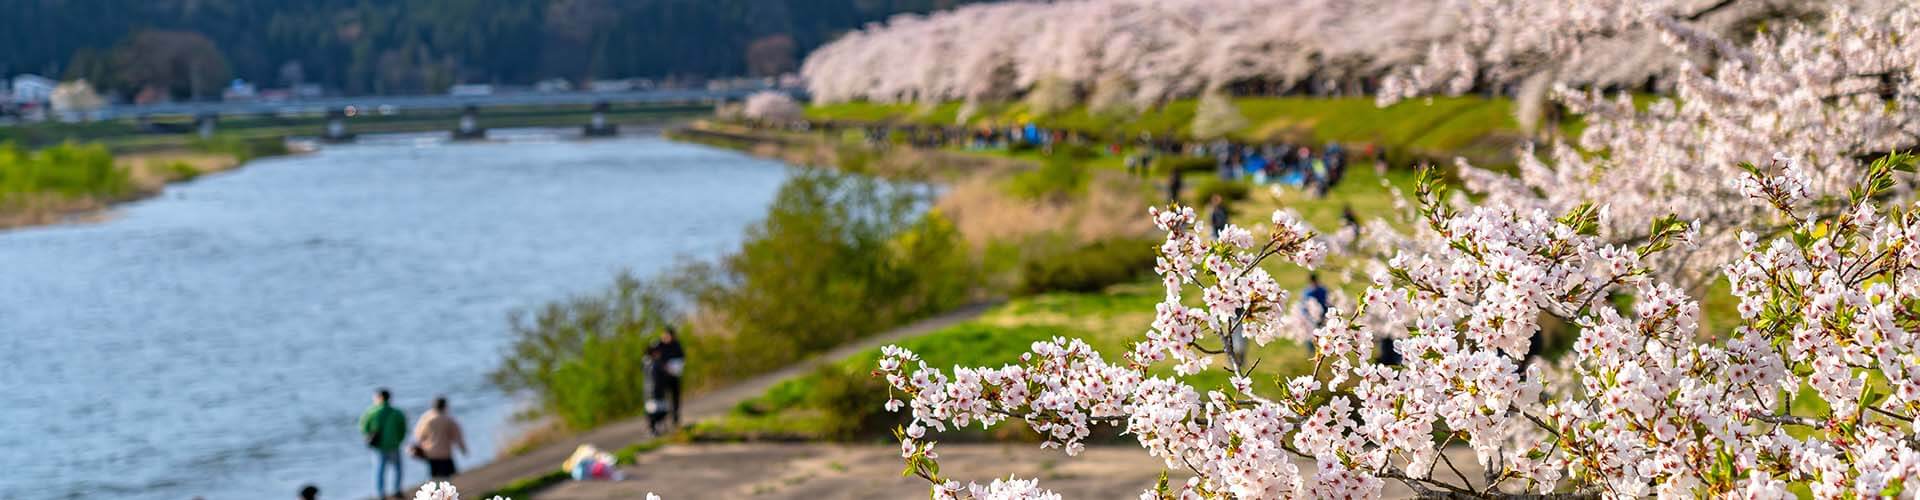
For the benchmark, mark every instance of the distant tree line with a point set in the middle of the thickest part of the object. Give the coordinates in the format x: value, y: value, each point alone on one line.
x: 192, y: 48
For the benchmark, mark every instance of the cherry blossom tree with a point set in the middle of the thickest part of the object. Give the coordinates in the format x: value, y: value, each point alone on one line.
x: 772, y: 107
x: 1830, y: 94
x: 1814, y: 386
x: 1167, y: 49
x: 1645, y: 404
x: 1216, y: 116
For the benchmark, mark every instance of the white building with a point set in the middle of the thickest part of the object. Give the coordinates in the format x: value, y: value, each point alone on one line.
x: 240, y: 90
x: 32, y: 88
x: 470, y: 90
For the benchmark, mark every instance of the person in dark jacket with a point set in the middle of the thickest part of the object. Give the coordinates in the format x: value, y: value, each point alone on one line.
x: 1217, y: 215
x: 669, y: 368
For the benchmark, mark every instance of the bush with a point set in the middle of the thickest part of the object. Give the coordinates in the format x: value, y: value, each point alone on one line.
x: 1183, y: 164
x: 243, y: 149
x: 581, y: 358
x: 838, y: 257
x: 1059, y: 177
x: 181, y: 171
x: 1081, y: 152
x: 1228, y: 190
x: 67, y: 170
x: 1087, y: 268
x: 853, y: 403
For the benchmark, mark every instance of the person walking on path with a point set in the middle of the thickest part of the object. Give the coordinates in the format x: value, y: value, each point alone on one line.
x: 672, y: 365
x: 1217, y: 215
x: 436, y: 437
x: 385, y: 428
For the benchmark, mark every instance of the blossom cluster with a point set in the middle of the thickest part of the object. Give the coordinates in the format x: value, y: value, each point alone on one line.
x: 1646, y: 403
x: 1752, y: 172
x: 445, y: 491
x: 771, y: 107
x: 1826, y: 93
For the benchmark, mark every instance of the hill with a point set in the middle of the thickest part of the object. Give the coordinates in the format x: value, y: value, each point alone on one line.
x: 400, y: 46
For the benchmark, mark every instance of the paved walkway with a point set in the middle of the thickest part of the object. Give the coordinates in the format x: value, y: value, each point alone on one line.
x: 818, y: 471
x: 504, y: 471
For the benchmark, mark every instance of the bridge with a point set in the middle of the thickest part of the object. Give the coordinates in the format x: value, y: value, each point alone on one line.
x: 420, y: 102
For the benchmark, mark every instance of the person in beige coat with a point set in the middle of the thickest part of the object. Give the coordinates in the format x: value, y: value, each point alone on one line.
x: 435, y: 439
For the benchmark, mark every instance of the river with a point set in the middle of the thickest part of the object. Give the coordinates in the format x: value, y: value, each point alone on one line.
x: 221, y: 340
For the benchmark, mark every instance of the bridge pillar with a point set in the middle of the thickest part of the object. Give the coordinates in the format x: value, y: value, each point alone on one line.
x: 337, y: 127
x: 469, y: 128
x: 598, y: 126
x: 204, y: 124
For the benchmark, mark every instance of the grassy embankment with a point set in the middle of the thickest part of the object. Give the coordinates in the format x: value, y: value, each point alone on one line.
x: 842, y: 254
x: 842, y: 402
x: 1479, y: 129
x: 125, y: 135
x: 54, y: 183
x: 55, y: 171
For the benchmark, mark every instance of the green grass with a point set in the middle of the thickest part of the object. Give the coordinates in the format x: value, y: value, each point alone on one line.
x: 1480, y: 128
x: 124, y: 135
x: 67, y: 170
x: 1109, y: 321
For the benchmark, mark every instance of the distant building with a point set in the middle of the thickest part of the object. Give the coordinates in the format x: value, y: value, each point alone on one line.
x: 32, y: 88
x: 239, y: 90
x: 308, y: 91
x: 610, y: 85
x: 276, y: 95
x: 551, y: 85
x: 470, y: 90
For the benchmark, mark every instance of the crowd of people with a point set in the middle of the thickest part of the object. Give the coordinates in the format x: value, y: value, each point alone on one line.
x: 1282, y: 163
x: 1276, y: 162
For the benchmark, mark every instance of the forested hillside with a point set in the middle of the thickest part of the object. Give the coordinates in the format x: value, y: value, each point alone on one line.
x: 189, y: 47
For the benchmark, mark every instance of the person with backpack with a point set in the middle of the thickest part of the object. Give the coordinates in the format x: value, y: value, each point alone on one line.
x: 385, y: 429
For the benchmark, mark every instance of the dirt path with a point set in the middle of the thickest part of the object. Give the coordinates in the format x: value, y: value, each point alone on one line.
x: 813, y: 471
x: 500, y: 473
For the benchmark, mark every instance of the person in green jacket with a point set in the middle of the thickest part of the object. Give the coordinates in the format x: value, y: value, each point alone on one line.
x: 385, y: 428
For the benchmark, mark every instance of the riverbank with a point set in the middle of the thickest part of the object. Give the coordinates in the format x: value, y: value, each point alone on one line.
x: 171, y: 328
x: 151, y: 160
x: 1016, y: 235
x: 1482, y: 130
x: 148, y: 174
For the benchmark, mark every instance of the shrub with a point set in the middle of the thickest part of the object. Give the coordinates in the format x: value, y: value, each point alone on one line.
x: 181, y: 171
x: 1165, y: 164
x: 853, y: 403
x: 581, y: 358
x: 1228, y: 190
x: 67, y: 170
x: 837, y: 258
x: 1057, y: 178
x: 1086, y: 268
x: 243, y: 149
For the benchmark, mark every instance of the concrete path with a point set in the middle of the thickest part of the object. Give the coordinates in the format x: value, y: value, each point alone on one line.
x: 504, y: 471
x: 817, y: 471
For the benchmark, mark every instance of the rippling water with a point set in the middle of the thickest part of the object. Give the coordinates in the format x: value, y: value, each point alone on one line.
x: 222, y: 339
